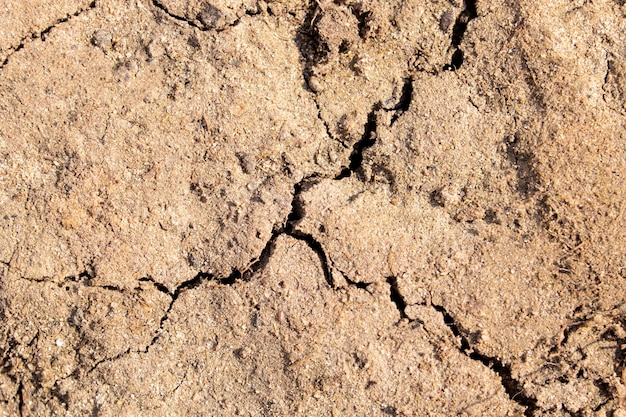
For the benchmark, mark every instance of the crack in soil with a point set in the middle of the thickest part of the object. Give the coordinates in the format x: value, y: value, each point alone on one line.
x: 181, y: 288
x: 255, y: 267
x: 297, y: 214
x: 396, y: 296
x: 319, y: 251
x: 361, y: 285
x: 368, y: 139
x: 188, y: 285
x: 42, y: 35
x: 513, y: 388
x: 319, y: 112
x: 208, y: 17
x: 458, y: 32
x: 159, y: 286
x: 164, y: 9
x: 405, y: 100
x: 20, y: 398
x: 111, y: 359
x: 311, y: 53
x: 184, y: 286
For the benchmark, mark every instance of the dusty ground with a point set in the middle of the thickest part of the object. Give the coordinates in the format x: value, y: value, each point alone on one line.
x: 315, y: 208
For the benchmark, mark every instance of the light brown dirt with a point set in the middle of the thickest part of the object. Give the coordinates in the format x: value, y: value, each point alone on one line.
x: 315, y: 208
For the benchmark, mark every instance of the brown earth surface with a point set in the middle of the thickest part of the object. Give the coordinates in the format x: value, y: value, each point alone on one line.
x: 313, y: 208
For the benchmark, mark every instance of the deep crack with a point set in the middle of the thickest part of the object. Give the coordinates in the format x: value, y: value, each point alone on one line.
x: 368, y: 139
x: 396, y: 296
x: 458, y: 32
x: 512, y: 387
x: 319, y: 251
x: 159, y: 286
x: 313, y: 51
x: 297, y: 213
x: 360, y: 285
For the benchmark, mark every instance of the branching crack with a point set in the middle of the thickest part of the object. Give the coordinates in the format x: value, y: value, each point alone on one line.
x: 297, y: 213
x: 188, y: 285
x: 184, y: 286
x: 512, y: 387
x: 42, y: 35
x: 313, y: 51
x: 318, y: 249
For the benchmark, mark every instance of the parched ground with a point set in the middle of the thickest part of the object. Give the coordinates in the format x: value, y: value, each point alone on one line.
x: 313, y: 208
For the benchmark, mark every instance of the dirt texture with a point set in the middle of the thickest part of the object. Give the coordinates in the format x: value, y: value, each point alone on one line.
x: 313, y: 208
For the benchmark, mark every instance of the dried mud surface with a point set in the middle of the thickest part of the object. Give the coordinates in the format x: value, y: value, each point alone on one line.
x: 316, y: 208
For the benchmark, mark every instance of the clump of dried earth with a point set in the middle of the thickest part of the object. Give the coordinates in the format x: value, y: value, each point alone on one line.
x: 316, y: 208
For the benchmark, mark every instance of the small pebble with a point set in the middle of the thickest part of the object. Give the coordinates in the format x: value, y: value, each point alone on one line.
x: 446, y: 20
x: 102, y: 39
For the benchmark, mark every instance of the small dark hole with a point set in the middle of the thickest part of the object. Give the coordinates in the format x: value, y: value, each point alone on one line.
x: 344, y: 46
x: 390, y: 410
x: 194, y: 42
x: 457, y: 59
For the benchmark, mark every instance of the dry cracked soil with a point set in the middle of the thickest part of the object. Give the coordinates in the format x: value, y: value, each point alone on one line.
x: 313, y: 208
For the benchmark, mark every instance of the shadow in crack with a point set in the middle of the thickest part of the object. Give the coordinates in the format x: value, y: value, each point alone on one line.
x: 512, y: 387
x: 458, y: 31
x: 297, y: 213
x: 368, y: 139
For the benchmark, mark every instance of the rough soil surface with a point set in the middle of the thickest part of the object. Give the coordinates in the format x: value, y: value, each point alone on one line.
x: 315, y: 208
